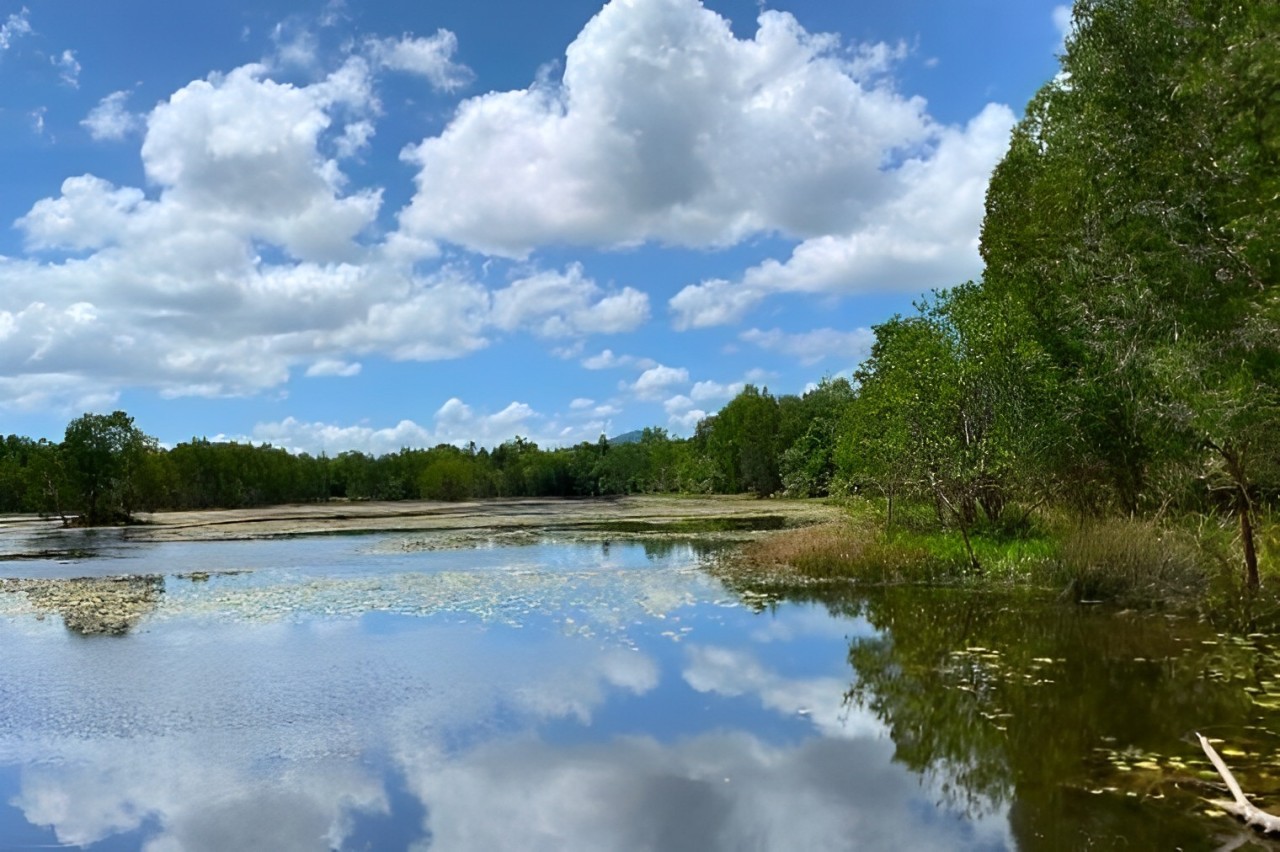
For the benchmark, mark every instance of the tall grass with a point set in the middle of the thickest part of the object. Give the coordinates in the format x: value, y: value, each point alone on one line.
x: 914, y: 550
x: 1132, y: 561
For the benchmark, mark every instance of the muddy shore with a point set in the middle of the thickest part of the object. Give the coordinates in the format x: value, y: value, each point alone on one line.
x: 637, y: 515
x: 115, y: 605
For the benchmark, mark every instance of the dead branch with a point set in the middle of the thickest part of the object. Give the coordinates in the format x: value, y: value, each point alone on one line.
x: 1241, y: 807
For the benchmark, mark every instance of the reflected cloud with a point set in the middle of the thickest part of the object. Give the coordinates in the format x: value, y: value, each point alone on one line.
x: 725, y: 791
x: 732, y: 673
x: 201, y: 800
x: 810, y: 620
x: 269, y: 736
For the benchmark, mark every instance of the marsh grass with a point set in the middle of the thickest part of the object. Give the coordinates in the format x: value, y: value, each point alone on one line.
x: 913, y: 551
x: 1135, y: 562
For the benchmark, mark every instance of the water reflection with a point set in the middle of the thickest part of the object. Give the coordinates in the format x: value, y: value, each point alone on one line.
x: 351, y: 694
x: 1078, y: 720
x: 552, y: 699
x: 90, y: 605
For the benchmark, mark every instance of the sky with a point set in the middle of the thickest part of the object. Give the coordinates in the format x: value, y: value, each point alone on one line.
x: 341, y: 225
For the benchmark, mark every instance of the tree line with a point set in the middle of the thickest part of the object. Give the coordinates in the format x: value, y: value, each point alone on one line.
x: 1120, y: 354
x: 106, y: 469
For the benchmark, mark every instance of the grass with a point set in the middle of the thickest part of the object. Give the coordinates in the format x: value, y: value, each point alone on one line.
x: 1136, y: 562
x: 862, y: 549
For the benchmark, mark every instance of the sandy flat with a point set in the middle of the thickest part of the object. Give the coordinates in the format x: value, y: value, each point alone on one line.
x: 530, y: 515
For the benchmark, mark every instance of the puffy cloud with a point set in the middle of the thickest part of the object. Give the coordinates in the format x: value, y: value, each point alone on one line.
x: 727, y: 790
x: 455, y: 422
x: 666, y: 127
x: 354, y: 139
x: 428, y: 57
x: 1062, y: 23
x: 562, y: 304
x: 241, y: 151
x: 89, y: 214
x: 250, y: 259
x: 677, y: 403
x: 810, y: 347
x: 656, y: 382
x: 110, y: 120
x: 684, y: 423
x: 924, y: 233
x: 705, y: 391
x: 16, y: 25
x: 732, y: 672
x: 685, y: 411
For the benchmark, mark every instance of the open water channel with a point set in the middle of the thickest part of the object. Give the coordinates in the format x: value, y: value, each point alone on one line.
x: 371, y: 693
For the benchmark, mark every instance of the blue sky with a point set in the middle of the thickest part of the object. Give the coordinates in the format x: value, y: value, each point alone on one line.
x: 344, y: 226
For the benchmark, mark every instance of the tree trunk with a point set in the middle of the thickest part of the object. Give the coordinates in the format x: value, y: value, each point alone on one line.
x: 1251, y: 580
x: 961, y: 522
x: 1234, y: 459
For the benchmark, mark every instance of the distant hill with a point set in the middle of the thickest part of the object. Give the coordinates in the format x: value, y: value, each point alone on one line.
x: 632, y: 437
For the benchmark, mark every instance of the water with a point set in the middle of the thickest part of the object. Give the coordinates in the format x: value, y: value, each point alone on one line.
x: 359, y: 692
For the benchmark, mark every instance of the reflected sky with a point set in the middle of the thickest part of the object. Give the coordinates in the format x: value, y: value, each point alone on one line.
x: 345, y: 695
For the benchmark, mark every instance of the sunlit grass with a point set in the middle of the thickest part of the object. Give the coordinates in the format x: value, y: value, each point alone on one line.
x: 863, y: 549
x: 1132, y: 561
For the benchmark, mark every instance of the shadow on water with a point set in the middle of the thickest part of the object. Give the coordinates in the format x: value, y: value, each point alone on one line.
x: 1079, y: 720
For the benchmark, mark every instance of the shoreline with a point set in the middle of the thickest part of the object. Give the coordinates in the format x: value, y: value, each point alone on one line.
x: 637, y: 515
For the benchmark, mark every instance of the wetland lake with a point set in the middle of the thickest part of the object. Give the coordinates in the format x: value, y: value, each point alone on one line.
x: 375, y: 691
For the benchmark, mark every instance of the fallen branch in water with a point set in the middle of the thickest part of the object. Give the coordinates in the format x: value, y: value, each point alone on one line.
x: 1241, y: 807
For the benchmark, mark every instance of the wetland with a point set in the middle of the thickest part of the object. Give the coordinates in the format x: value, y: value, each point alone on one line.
x: 590, y: 675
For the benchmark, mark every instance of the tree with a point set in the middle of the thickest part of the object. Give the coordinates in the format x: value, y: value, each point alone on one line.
x: 808, y: 463
x: 742, y: 444
x: 1134, y: 217
x: 951, y: 403
x: 103, y: 455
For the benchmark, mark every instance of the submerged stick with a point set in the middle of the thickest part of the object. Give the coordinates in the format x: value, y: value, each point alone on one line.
x: 1241, y: 807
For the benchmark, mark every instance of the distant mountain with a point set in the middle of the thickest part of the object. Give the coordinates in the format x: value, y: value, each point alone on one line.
x: 632, y: 437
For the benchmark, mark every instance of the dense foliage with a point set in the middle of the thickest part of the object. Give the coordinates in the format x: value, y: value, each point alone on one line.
x: 106, y: 469
x: 1120, y: 356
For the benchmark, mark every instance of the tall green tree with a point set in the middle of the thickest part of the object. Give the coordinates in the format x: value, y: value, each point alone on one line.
x: 103, y: 456
x: 1135, y: 219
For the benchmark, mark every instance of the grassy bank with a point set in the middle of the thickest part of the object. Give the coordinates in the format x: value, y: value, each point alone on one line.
x: 1129, y: 561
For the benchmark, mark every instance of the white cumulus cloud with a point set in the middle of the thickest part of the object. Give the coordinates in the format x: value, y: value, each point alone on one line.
x: 16, y: 25
x: 68, y: 67
x: 655, y: 382
x: 454, y: 422
x: 564, y: 304
x: 667, y: 127
x: 923, y: 233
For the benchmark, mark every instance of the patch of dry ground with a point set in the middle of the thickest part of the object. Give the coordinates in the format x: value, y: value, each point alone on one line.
x: 637, y: 515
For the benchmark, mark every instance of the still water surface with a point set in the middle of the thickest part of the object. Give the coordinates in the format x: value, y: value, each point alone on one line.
x: 360, y: 692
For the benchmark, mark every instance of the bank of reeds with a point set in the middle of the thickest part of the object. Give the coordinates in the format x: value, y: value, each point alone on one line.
x: 1130, y: 561
x: 1134, y: 561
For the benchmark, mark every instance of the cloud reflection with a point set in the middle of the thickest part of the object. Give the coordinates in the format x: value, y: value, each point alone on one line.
x: 727, y: 791
x: 271, y: 737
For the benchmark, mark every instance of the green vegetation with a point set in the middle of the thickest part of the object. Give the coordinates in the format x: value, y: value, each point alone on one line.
x: 1095, y: 411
